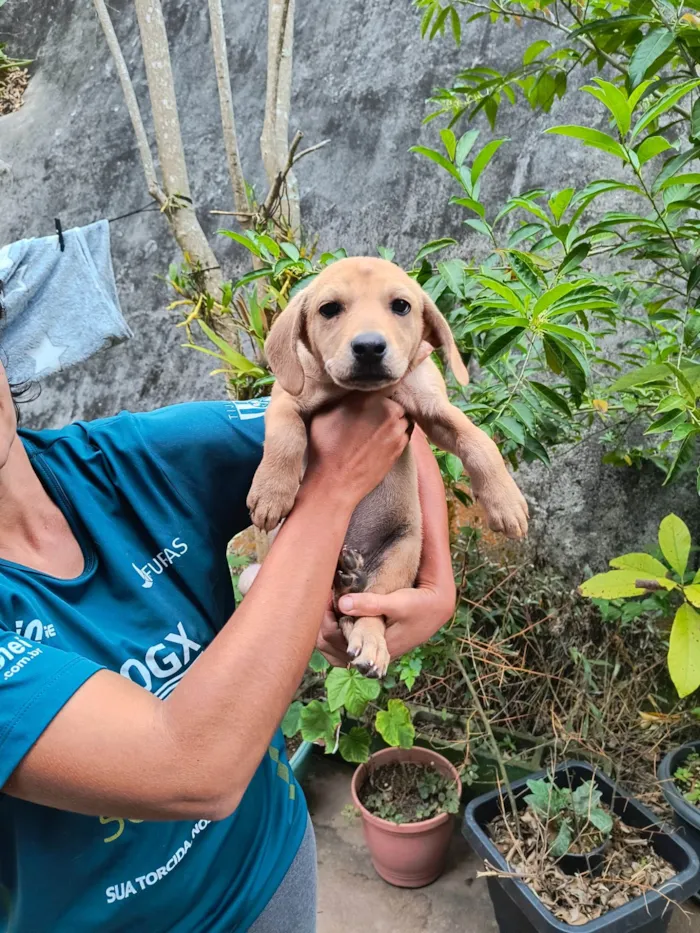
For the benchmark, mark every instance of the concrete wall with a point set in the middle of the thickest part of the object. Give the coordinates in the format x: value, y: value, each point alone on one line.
x: 362, y: 74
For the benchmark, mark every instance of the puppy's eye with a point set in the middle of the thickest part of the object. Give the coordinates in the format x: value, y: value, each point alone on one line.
x: 400, y: 307
x: 330, y: 309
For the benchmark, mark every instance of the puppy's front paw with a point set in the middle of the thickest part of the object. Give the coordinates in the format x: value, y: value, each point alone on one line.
x: 505, y: 507
x: 270, y: 500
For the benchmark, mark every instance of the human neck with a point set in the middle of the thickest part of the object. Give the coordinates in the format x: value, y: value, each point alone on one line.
x: 33, y: 530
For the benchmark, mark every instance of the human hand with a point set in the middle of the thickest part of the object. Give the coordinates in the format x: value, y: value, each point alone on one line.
x: 353, y: 445
x: 412, y: 615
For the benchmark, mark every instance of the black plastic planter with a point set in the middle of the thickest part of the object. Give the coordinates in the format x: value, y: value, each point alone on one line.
x: 588, y: 862
x: 519, y: 910
x: 686, y: 815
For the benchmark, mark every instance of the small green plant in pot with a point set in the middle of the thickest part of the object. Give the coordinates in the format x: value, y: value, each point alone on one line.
x: 576, y: 826
x: 687, y: 778
x: 407, y: 798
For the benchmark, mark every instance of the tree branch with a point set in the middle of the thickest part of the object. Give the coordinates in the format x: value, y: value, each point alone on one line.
x: 132, y: 106
x: 228, y: 122
x: 161, y: 89
x: 274, y: 141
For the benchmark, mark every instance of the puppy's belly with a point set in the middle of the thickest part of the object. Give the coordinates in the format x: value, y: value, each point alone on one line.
x: 385, y: 529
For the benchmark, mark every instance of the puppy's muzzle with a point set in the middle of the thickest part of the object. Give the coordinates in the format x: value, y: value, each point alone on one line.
x: 368, y: 352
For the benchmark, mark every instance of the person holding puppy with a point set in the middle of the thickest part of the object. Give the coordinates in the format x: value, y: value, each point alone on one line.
x: 143, y: 775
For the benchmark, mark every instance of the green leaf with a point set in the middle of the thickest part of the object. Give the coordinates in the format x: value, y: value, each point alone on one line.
x: 484, y: 157
x: 574, y: 259
x: 511, y: 428
x: 593, y: 138
x: 291, y: 723
x: 454, y: 467
x: 563, y: 840
x: 650, y: 147
x: 684, y: 650
x: 668, y: 100
x: 692, y: 593
x: 601, y: 819
x: 615, y: 584
x: 615, y: 100
x: 695, y: 119
x: 456, y: 25
x: 395, y: 726
x: 433, y: 247
x: 346, y: 687
x: 464, y: 146
x: 666, y: 422
x: 652, y: 46
x: 534, y: 50
x: 449, y: 142
x: 559, y: 202
x: 471, y: 205
x: 439, y: 159
x: 290, y: 250
x: 236, y: 360
x: 683, y: 455
x: 554, y: 398
x: 243, y: 240
x: 317, y: 662
x: 354, y: 746
x: 674, y: 541
x: 499, y: 346
x: 319, y: 724
x: 656, y: 372
x: 644, y: 565
x: 505, y: 291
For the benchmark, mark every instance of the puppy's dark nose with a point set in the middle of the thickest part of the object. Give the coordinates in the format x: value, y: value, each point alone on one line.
x: 369, y: 347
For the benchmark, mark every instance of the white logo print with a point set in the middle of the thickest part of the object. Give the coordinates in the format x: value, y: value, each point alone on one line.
x: 19, y: 653
x: 160, y: 562
x: 245, y: 411
x: 36, y: 630
x: 169, y: 667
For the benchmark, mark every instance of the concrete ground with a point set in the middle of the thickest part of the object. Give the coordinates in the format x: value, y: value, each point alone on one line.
x: 353, y: 899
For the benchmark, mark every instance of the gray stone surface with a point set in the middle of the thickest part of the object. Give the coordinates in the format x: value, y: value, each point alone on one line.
x: 352, y: 898
x: 361, y: 76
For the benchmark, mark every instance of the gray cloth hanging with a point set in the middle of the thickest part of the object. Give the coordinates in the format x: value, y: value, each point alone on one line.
x: 61, y: 307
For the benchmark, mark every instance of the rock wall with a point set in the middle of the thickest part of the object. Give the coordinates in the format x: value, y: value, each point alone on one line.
x: 361, y: 76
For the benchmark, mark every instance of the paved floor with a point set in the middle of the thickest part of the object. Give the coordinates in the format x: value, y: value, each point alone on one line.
x: 353, y: 899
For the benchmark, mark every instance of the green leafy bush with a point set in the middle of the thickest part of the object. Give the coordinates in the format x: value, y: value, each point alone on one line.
x: 637, y: 574
x: 553, y: 297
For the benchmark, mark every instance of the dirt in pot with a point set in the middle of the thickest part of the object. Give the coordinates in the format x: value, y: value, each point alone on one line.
x: 631, y: 868
x: 292, y: 744
x: 687, y: 778
x: 405, y: 792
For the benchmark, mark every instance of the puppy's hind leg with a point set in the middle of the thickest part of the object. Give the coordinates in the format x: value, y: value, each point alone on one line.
x: 366, y: 635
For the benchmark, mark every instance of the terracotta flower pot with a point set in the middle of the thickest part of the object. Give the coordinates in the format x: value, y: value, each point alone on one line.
x: 409, y: 855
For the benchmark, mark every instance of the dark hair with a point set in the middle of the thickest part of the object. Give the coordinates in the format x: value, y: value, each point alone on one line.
x: 20, y: 391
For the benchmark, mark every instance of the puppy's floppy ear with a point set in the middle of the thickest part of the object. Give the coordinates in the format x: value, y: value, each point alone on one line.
x: 281, y: 345
x: 437, y: 332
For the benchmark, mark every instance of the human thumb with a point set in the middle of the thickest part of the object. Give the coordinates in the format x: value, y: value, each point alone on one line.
x: 367, y: 604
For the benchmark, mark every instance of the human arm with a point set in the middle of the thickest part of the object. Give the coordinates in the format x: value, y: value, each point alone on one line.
x: 113, y: 747
x: 413, y: 614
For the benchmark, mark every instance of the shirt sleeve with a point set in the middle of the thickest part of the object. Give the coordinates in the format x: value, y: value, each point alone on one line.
x: 35, y: 683
x: 209, y: 452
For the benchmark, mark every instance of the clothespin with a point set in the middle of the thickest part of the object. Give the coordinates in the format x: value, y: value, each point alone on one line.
x: 59, y: 231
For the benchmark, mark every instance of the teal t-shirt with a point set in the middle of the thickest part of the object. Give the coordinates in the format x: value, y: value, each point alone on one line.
x: 153, y: 500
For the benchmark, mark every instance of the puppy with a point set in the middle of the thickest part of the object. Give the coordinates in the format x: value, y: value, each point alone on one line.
x: 363, y: 324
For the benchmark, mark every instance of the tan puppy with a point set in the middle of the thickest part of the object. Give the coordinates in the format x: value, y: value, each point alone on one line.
x: 363, y: 324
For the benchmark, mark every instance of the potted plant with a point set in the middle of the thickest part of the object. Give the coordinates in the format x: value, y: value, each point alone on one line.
x: 679, y: 774
x: 645, y: 867
x: 406, y: 798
